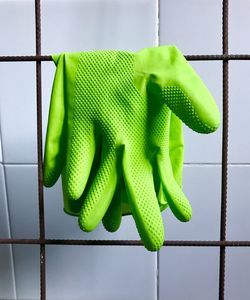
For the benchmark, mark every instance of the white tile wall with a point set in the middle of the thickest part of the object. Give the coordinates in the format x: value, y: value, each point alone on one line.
x: 98, y: 24
x: 22, y: 200
x: 1, y: 153
x: 17, y: 23
x: 18, y: 112
x: 7, y: 288
x: 239, y: 111
x: 194, y: 26
x: 201, y: 185
x: 100, y: 273
x: 238, y: 203
x: 4, y: 214
x: 237, y: 273
x: 239, y: 22
x: 26, y: 262
x: 97, y: 268
x: 189, y: 273
x: 185, y: 24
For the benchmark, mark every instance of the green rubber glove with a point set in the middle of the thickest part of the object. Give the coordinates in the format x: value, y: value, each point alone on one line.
x: 116, y: 100
x: 120, y: 204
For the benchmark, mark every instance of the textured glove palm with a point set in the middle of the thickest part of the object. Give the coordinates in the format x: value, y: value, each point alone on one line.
x: 120, y: 204
x: 114, y: 101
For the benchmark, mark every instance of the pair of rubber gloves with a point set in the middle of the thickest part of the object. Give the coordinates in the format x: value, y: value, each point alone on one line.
x: 115, y: 135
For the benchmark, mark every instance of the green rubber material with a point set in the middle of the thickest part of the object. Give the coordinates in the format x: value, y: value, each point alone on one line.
x: 109, y: 124
x: 119, y: 205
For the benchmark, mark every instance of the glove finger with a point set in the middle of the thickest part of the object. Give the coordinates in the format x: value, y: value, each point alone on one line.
x: 100, y: 193
x: 79, y: 163
x: 112, y: 218
x: 176, y: 199
x: 73, y: 207
x: 143, y: 203
x: 55, y: 145
x: 176, y: 148
x: 188, y: 97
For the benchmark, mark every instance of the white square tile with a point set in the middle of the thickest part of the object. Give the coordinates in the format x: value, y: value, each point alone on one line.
x: 18, y: 112
x: 1, y: 153
x: 100, y: 273
x: 239, y: 41
x: 27, y: 271
x: 239, y: 111
x: 7, y: 288
x: 23, y: 200
x: 185, y: 24
x: 201, y: 185
x: 237, y: 273
x: 189, y: 273
x: 77, y: 272
x: 17, y: 27
x: 98, y: 24
x: 206, y: 148
x: 4, y: 214
x: 238, y: 223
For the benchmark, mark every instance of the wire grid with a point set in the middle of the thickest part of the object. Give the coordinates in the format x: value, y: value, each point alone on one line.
x: 42, y: 241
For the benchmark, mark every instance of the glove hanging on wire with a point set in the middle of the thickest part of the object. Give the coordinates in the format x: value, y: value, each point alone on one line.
x: 117, y: 105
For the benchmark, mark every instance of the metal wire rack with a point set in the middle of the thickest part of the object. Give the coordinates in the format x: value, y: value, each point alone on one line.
x: 223, y: 243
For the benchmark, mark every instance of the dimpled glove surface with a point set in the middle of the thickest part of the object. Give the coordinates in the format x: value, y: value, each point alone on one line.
x: 118, y: 104
x: 120, y: 204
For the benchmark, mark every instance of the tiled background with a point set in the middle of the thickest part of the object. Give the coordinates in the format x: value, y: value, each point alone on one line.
x: 99, y: 273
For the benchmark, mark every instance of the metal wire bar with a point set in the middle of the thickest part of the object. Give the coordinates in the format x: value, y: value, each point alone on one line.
x: 176, y: 243
x: 208, y: 57
x: 223, y: 218
x: 40, y: 150
x: 22, y: 58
